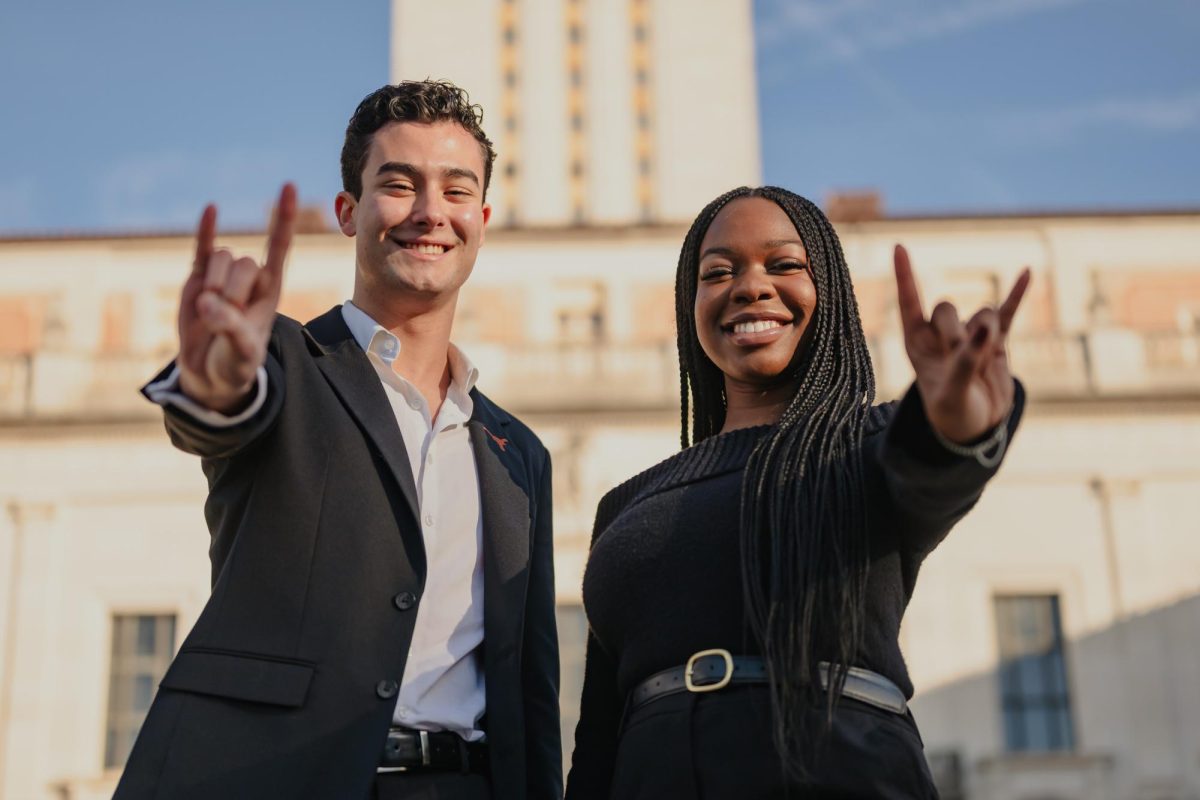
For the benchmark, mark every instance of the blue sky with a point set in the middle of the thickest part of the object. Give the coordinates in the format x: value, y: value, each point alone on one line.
x: 129, y: 115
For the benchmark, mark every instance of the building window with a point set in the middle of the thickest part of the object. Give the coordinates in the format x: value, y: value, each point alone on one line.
x: 579, y: 307
x: 142, y: 646
x: 1033, y: 676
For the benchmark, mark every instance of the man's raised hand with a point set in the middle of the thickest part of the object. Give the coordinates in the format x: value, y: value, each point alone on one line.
x: 226, y: 311
x: 962, y: 369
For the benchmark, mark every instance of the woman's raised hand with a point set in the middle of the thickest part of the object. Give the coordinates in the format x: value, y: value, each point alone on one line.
x: 962, y: 368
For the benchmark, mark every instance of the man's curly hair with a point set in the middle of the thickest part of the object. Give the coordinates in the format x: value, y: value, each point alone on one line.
x: 424, y: 101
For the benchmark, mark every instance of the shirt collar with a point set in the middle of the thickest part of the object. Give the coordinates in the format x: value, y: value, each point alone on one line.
x: 374, y: 338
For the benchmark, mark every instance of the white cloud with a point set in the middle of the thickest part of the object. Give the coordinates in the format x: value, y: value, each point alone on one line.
x: 1160, y: 114
x: 846, y: 30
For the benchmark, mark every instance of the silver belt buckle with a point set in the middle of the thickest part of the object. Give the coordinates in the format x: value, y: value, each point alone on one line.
x: 426, y: 754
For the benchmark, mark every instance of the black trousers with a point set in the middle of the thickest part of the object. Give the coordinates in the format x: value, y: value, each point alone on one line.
x: 718, y: 745
x: 431, y: 786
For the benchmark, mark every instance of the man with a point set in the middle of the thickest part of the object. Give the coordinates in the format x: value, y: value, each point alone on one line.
x: 382, y: 616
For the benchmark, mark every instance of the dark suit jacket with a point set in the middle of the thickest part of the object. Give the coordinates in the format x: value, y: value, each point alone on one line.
x: 286, y: 685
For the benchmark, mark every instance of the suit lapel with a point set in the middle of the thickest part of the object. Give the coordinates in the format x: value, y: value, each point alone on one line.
x: 504, y: 494
x: 347, y: 369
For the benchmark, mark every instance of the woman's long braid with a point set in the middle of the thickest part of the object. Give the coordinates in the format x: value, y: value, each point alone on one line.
x: 803, y: 527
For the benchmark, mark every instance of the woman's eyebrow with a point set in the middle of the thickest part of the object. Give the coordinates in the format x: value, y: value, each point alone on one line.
x: 718, y: 251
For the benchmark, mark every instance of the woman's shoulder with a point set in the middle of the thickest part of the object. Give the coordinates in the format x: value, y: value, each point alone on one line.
x: 716, y: 455
x: 879, y: 417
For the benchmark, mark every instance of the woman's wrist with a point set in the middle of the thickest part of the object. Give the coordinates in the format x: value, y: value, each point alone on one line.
x: 988, y: 451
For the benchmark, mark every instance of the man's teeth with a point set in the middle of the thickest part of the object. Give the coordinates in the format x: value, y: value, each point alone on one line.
x: 431, y: 249
x: 757, y: 326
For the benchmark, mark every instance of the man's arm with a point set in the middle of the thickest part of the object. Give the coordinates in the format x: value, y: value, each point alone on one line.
x: 210, y: 434
x: 226, y: 312
x: 223, y: 390
x: 539, y: 663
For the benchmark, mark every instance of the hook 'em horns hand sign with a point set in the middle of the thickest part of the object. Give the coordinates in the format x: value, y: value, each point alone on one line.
x: 962, y: 369
x: 227, y: 309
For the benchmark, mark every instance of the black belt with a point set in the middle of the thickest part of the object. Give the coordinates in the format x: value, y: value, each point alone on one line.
x: 432, y: 751
x: 712, y: 670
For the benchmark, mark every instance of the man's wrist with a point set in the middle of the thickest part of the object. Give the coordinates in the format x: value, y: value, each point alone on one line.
x: 227, y: 403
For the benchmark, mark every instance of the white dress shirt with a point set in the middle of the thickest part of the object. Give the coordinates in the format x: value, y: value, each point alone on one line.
x: 443, y: 683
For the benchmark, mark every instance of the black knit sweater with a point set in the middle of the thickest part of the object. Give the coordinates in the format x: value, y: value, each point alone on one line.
x: 663, y: 579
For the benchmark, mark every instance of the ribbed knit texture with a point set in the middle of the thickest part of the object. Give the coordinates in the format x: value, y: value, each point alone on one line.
x: 663, y: 577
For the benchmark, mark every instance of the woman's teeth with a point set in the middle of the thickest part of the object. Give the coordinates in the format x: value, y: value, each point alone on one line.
x: 757, y: 326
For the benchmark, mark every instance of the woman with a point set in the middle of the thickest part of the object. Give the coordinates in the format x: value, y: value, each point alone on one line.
x: 774, y: 556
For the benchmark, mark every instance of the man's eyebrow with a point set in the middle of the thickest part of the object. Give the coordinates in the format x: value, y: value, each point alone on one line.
x: 412, y: 172
x: 398, y: 166
x: 460, y: 172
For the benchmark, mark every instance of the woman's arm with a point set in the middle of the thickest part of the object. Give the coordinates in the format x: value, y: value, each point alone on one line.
x: 601, y: 705
x: 949, y: 434
x: 596, y: 735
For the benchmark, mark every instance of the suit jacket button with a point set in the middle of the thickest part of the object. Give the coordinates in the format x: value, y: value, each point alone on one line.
x: 405, y: 600
x: 386, y: 689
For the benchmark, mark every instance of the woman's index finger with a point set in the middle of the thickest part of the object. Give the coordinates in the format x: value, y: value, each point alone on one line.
x: 1008, y: 308
x: 912, y: 315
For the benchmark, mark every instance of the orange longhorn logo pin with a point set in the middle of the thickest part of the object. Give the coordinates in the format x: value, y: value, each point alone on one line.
x: 501, y: 443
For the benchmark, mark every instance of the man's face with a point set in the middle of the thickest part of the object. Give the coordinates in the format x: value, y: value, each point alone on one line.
x: 421, y: 217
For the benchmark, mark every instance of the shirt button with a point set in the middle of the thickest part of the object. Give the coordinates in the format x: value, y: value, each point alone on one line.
x: 429, y: 520
x: 386, y: 690
x: 405, y: 600
x: 414, y: 405
x: 429, y: 459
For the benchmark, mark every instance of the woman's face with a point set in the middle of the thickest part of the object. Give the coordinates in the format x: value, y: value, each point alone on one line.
x: 754, y: 295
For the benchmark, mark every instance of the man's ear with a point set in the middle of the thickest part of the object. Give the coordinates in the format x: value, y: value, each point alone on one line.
x: 343, y: 208
x: 487, y: 216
